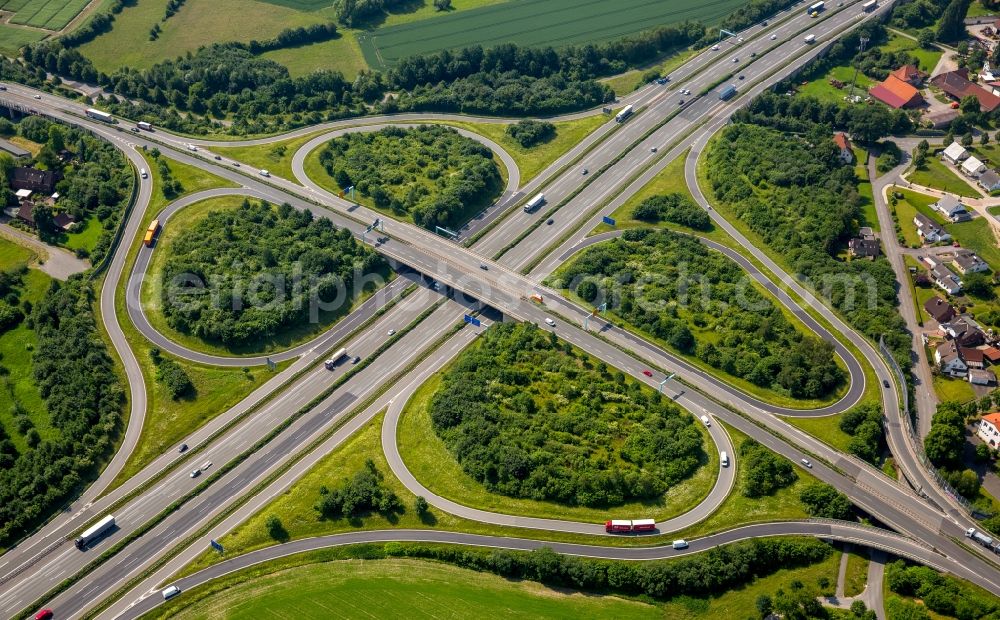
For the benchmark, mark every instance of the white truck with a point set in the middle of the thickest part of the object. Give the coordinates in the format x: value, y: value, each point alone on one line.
x: 334, y: 359
x: 810, y: 38
x: 144, y: 126
x: 979, y: 537
x: 869, y: 6
x: 100, y: 115
x: 534, y: 203
x: 625, y: 113
x: 95, y: 531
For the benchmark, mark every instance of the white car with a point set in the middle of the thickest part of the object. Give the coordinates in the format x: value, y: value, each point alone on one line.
x: 264, y: 173
x: 38, y: 96
x: 807, y: 463
x: 392, y: 332
x: 773, y: 37
x: 736, y: 59
x: 192, y: 147
x: 705, y: 420
x: 550, y: 322
x: 715, y: 48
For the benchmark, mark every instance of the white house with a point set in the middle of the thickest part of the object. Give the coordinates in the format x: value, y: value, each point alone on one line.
x: 947, y: 280
x: 928, y: 230
x: 947, y: 357
x: 951, y: 208
x: 967, y: 262
x: 990, y: 181
x: 973, y: 167
x: 844, y: 144
x: 955, y: 153
x: 989, y: 429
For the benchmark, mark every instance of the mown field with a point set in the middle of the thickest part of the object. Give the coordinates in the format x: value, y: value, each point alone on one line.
x: 48, y: 14
x: 534, y: 22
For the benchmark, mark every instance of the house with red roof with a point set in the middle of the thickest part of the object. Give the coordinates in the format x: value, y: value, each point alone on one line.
x: 989, y: 429
x: 957, y: 85
x: 910, y: 74
x: 896, y: 93
x: 844, y: 144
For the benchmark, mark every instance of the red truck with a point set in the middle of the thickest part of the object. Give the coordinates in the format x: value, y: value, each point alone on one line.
x: 625, y: 526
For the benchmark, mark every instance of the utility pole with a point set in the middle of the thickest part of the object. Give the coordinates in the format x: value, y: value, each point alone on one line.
x: 861, y: 48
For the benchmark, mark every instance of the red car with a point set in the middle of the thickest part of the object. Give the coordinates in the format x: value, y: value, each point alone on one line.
x: 45, y: 614
x: 647, y: 373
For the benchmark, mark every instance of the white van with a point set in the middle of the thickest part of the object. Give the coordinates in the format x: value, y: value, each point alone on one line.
x: 724, y: 458
x: 265, y: 173
x: 705, y: 420
x: 170, y: 592
x: 143, y: 173
x: 680, y: 544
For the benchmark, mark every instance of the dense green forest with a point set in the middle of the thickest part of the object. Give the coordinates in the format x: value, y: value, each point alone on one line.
x: 676, y: 208
x: 700, y: 303
x: 432, y: 173
x: 795, y: 193
x: 241, y: 275
x: 942, y: 594
x: 97, y: 179
x: 528, y: 416
x: 83, y: 397
x: 763, y: 471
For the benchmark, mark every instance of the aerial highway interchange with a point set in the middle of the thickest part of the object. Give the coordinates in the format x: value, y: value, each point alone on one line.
x: 508, y: 254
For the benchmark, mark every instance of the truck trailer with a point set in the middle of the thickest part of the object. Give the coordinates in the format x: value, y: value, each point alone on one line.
x: 100, y: 115
x: 332, y: 361
x: 625, y: 526
x: 95, y: 531
x: 979, y: 537
x: 154, y: 228
x: 869, y: 6
x: 534, y: 203
x: 810, y: 38
x: 727, y: 92
x: 144, y: 126
x: 625, y: 113
x: 815, y: 7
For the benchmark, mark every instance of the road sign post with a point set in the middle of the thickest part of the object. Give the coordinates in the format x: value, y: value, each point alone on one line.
x: 471, y: 320
x: 217, y: 546
x: 271, y: 365
x: 668, y: 378
x: 444, y: 232
x: 610, y: 221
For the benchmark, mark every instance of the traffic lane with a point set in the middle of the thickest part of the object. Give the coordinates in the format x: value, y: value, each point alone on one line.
x: 433, y: 363
x: 138, y: 316
x: 178, y: 483
x: 105, y: 578
x: 824, y: 530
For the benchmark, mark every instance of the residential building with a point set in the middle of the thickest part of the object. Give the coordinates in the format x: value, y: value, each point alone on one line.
x: 972, y: 167
x: 967, y: 262
x: 910, y: 74
x: 928, y: 230
x: 863, y: 248
x: 992, y: 354
x: 844, y: 144
x: 13, y: 150
x: 939, y: 309
x: 955, y: 153
x: 64, y: 221
x: 951, y: 207
x: 26, y: 212
x: 36, y: 180
x: 957, y: 86
x: 982, y: 377
x: 964, y: 331
x: 973, y: 358
x: 990, y: 181
x: 949, y: 360
x: 989, y: 429
x: 948, y: 281
x: 896, y: 93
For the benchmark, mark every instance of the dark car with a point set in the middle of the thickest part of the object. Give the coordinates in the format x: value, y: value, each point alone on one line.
x: 182, y: 448
x: 550, y: 221
x: 648, y: 373
x: 218, y: 158
x: 741, y: 77
x: 134, y: 129
x: 236, y: 163
x: 357, y: 358
x: 885, y: 383
x: 484, y: 267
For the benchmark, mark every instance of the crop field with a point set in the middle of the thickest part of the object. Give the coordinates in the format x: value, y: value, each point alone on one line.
x: 48, y: 14
x: 534, y: 22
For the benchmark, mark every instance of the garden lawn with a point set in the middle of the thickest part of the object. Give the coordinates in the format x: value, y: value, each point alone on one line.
x: 86, y: 237
x: 937, y: 175
x: 977, y: 235
x: 17, y: 347
x: 868, y: 214
x: 957, y: 390
x: 822, y: 89
x: 12, y: 254
x: 905, y: 212
x: 928, y: 57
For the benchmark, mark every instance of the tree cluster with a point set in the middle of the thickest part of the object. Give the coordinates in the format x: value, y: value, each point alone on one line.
x: 528, y: 132
x: 433, y: 173
x: 763, y: 471
x: 824, y: 501
x: 803, y: 201
x: 172, y: 376
x: 676, y: 208
x: 665, y: 283
x: 353, y: 13
x: 76, y: 378
x: 864, y: 424
x: 918, y: 14
x: 528, y: 417
x: 951, y: 26
x: 266, y: 268
x: 940, y: 593
x: 701, y: 575
x: 356, y: 496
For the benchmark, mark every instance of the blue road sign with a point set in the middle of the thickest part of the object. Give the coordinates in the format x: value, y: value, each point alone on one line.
x: 610, y: 221
x: 472, y: 320
x: 217, y: 546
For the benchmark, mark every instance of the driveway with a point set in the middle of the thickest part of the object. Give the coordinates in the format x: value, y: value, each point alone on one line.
x: 57, y: 262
